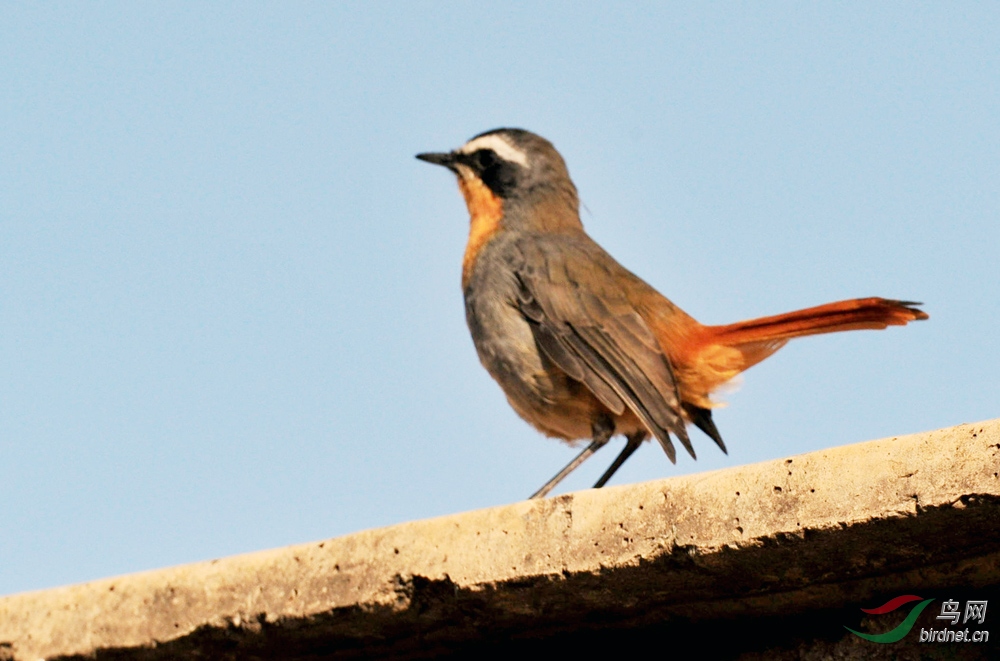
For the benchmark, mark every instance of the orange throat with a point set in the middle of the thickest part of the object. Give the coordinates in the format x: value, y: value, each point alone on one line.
x: 485, y: 214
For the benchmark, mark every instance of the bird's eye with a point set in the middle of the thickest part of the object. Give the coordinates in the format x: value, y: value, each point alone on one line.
x: 486, y: 158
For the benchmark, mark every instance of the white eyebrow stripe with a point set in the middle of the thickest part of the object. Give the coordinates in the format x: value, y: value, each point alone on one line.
x: 503, y: 149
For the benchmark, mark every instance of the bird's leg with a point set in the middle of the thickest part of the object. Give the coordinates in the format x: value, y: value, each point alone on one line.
x: 594, y: 446
x: 602, y: 430
x: 631, y: 445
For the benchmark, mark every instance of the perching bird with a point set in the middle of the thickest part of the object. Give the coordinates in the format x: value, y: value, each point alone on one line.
x: 582, y: 347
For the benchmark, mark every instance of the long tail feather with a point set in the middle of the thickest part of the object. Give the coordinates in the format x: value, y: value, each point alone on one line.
x: 716, y: 354
x: 855, y: 314
x: 722, y: 352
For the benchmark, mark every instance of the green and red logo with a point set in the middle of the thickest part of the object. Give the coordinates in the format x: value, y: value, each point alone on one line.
x: 904, y: 627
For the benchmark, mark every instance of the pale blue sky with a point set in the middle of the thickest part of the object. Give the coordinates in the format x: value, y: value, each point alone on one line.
x: 230, y: 313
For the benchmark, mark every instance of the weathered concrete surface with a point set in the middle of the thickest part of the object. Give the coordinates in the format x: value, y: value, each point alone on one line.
x: 827, y: 532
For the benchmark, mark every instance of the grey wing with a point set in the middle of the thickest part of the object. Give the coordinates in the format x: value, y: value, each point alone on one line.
x: 580, y: 317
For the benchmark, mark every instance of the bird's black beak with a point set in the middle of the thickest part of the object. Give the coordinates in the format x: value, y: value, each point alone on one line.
x: 446, y: 159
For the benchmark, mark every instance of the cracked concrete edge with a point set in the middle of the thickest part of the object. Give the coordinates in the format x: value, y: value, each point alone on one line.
x: 699, y: 518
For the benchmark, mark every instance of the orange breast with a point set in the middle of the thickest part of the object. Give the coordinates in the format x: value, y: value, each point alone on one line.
x: 485, y: 214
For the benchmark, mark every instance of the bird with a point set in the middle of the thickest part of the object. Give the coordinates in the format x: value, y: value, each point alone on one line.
x: 582, y: 347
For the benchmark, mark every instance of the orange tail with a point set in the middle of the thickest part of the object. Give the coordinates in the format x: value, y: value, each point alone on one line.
x: 716, y: 354
x: 856, y: 314
x: 757, y: 339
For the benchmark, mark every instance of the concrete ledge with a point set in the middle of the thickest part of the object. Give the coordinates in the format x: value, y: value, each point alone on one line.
x: 835, y: 529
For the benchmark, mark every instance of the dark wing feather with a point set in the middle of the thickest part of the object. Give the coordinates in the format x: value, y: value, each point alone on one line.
x: 582, y: 320
x: 702, y: 419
